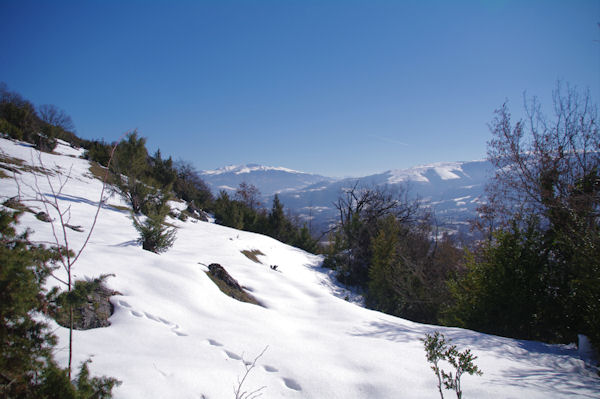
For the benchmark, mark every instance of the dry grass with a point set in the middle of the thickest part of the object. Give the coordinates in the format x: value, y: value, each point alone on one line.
x: 120, y: 207
x: 253, y: 255
x: 16, y: 165
x: 99, y: 172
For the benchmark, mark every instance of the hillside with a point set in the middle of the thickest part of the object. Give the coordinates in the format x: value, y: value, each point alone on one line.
x: 175, y: 335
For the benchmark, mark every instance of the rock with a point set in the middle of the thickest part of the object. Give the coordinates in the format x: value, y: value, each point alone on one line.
x: 43, y: 216
x: 220, y: 273
x: 96, y: 311
x: 92, y: 313
x: 228, y: 285
x: 197, y: 213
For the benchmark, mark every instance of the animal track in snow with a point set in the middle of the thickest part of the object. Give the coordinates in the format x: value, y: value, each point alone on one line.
x: 289, y: 383
x: 151, y: 316
x: 172, y: 326
x: 292, y: 384
x: 125, y: 304
x: 232, y: 355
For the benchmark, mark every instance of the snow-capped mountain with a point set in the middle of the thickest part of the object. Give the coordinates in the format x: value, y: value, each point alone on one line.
x: 453, y: 190
x: 269, y: 180
x: 174, y: 334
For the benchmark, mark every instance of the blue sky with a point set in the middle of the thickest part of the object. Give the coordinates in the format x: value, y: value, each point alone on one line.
x: 340, y: 88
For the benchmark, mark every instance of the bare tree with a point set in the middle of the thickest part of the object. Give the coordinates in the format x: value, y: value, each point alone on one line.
x: 372, y: 204
x: 249, y: 194
x: 360, y: 212
x: 53, y: 115
x: 547, y: 166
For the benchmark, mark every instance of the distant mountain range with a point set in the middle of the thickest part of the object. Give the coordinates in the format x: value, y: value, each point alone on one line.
x: 452, y: 189
x: 269, y: 180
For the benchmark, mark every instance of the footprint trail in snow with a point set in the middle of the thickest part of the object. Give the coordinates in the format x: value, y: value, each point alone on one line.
x: 172, y: 326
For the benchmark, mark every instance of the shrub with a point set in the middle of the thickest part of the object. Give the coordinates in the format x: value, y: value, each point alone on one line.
x: 98, y: 151
x: 10, y: 129
x: 44, y: 143
x: 130, y: 167
x: 154, y: 235
x: 436, y: 350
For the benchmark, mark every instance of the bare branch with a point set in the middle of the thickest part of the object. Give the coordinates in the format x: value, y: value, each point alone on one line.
x: 239, y: 394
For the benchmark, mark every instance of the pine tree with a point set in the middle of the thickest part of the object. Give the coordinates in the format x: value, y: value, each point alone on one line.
x: 381, y: 294
x: 25, y: 343
x: 130, y: 167
x: 27, y: 369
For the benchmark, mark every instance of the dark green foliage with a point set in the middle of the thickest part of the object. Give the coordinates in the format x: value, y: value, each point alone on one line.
x: 240, y: 215
x: 25, y: 343
x: 503, y: 291
x: 361, y: 211
x: 278, y: 225
x: 538, y: 276
x: 383, y: 245
x: 95, y: 387
x: 408, y: 271
x: 382, y: 294
x: 437, y: 349
x: 54, y: 384
x: 98, y: 151
x: 162, y: 172
x: 533, y: 282
x: 10, y: 129
x: 131, y: 168
x: 190, y: 187
x: 304, y: 240
x: 20, y: 120
x: 20, y: 114
x: 154, y: 235
x: 27, y: 369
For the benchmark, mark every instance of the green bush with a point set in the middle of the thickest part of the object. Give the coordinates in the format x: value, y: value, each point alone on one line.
x: 98, y: 151
x: 154, y: 235
x: 10, y: 129
x: 437, y: 349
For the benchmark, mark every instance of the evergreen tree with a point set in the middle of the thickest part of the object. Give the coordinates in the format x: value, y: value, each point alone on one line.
x: 130, y: 167
x: 27, y: 369
x: 162, y: 172
x: 279, y: 225
x: 381, y: 294
x: 25, y: 343
x: 154, y: 235
x: 505, y: 289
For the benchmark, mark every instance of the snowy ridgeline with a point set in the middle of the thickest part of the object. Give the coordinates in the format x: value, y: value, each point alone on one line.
x: 175, y: 335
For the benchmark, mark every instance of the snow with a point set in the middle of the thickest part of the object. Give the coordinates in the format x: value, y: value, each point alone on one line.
x: 175, y: 335
x: 243, y: 169
x: 445, y: 171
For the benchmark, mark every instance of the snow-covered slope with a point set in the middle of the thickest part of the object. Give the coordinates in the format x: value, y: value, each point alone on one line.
x: 175, y: 335
x: 269, y: 180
